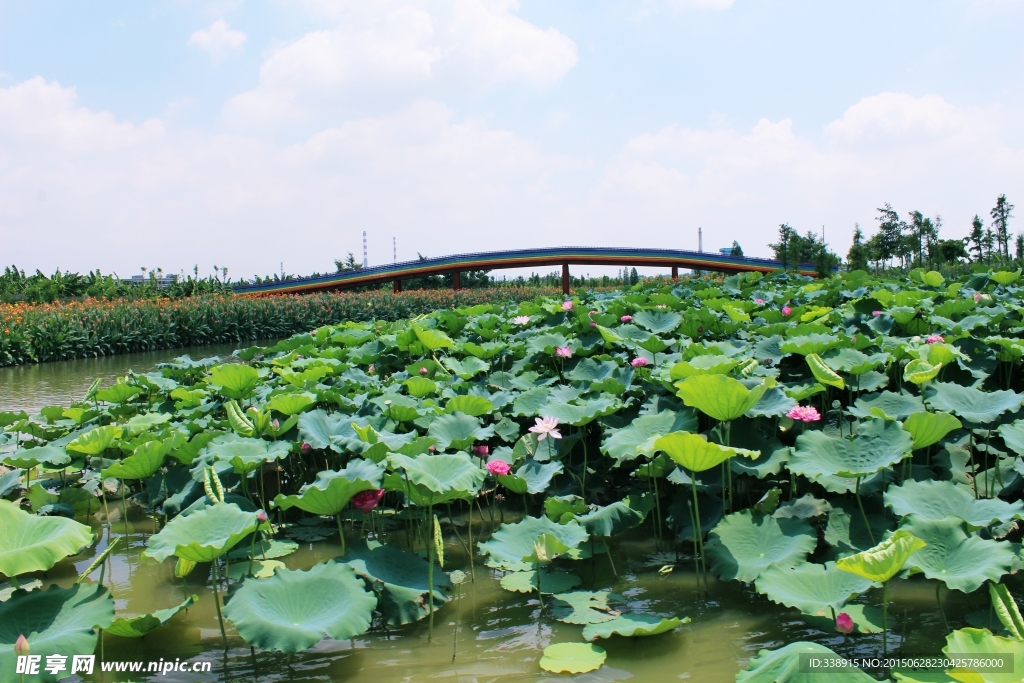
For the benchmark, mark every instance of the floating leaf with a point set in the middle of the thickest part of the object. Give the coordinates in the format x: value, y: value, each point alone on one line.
x: 746, y: 543
x: 550, y: 581
x: 399, y: 578
x: 573, y: 658
x: 962, y: 561
x: 936, y: 500
x: 136, y: 627
x: 632, y: 625
x: 585, y: 607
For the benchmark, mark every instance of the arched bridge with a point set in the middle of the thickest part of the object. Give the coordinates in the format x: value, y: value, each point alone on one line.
x: 672, y: 259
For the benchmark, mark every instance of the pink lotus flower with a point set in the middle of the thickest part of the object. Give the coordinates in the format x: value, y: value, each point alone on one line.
x: 594, y: 312
x: 638, y: 362
x: 365, y: 501
x: 977, y: 298
x: 372, y: 369
x: 626, y: 319
x: 423, y: 371
x: 804, y: 414
x: 498, y: 468
x: 876, y: 313
x: 545, y: 427
x: 759, y: 301
x: 521, y: 320
x: 786, y: 310
x: 277, y: 425
x: 563, y: 352
x: 21, y: 647
x: 844, y: 623
x: 305, y: 447
x: 934, y: 339
x: 593, y: 324
x: 483, y: 450
x: 566, y: 305
x: 261, y: 516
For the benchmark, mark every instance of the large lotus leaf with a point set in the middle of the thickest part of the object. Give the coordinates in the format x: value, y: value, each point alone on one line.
x: 146, y: 422
x: 658, y: 322
x: 695, y: 454
x: 235, y: 381
x: 458, y: 431
x: 936, y: 500
x: 433, y: 339
x: 10, y: 481
x: 973, y: 405
x: 878, y: 444
x: 894, y: 405
x: 34, y: 544
x: 804, y: 507
x: 1013, y: 436
x: 885, y: 560
x: 94, y: 441
x: 322, y: 430
x: 962, y: 561
x: 445, y: 475
x: 811, y: 588
x: 711, y: 364
x: 204, y: 535
x: 118, y: 393
x: 719, y: 396
x: 929, y: 428
x: 294, y: 610
x: 632, y: 625
x: 611, y: 519
x: 1005, y: 277
x: 550, y: 581
x: 585, y: 607
x: 56, y: 621
x: 291, y: 403
x: 244, y: 454
x: 474, y: 406
x: 511, y: 542
x: 333, y: 490
x: 853, y: 361
x: 399, y: 578
x: 981, y: 643
x: 53, y: 457
x: 783, y: 666
x: 136, y: 627
x: 143, y: 463
x: 774, y: 403
x: 573, y: 658
x: 538, y: 475
x: 746, y: 543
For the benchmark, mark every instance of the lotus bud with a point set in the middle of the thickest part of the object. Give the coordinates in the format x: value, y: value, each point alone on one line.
x: 277, y: 425
x: 626, y: 319
x: 305, y: 447
x: 372, y: 369
x: 482, y: 450
x: 21, y: 647
x: 423, y: 371
x: 844, y: 623
x: 593, y: 324
x: 638, y: 362
x: 261, y: 516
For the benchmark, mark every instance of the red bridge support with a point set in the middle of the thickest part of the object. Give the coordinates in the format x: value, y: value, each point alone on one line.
x: 396, y: 286
x: 458, y: 281
x: 675, y: 272
x: 565, y: 279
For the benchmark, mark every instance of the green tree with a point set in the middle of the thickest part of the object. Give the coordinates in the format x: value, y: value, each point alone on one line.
x: 890, y: 233
x: 988, y: 245
x: 736, y: 250
x: 782, y: 247
x: 1001, y: 214
x: 1020, y: 247
x: 348, y: 264
x: 857, y: 257
x: 634, y: 277
x: 977, y: 236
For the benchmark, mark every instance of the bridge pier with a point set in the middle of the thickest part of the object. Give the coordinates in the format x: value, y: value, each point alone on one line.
x: 675, y: 272
x: 396, y: 286
x: 565, y: 278
x: 458, y: 281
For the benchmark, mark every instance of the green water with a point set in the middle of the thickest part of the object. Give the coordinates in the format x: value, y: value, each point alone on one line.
x: 500, y: 634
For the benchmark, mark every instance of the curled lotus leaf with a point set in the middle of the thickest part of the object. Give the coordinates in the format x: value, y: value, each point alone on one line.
x: 936, y: 500
x: 550, y: 581
x: 573, y: 658
x: 138, y: 626
x: 919, y: 371
x: 929, y: 428
x: 294, y: 609
x: 878, y: 444
x: 630, y: 625
x: 823, y: 373
x: 885, y: 560
x: 719, y: 396
x: 204, y: 535
x: 961, y: 560
x: 511, y: 542
x: 333, y: 489
x: 746, y: 543
x: 811, y: 588
x: 695, y: 453
x: 981, y: 643
x: 783, y: 664
x: 29, y: 543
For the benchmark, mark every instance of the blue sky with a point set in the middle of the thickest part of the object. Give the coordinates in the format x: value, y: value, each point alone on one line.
x: 244, y: 134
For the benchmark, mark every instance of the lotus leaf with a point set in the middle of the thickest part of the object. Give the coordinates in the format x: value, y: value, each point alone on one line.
x: 695, y: 454
x: 10, y: 481
x: 929, y: 428
x: 511, y: 542
x: 136, y: 627
x: 783, y: 664
x: 246, y: 455
x: 982, y: 643
x: 32, y: 544
x: 897, y: 406
x: 204, y: 535
x: 611, y: 519
x: 885, y: 560
x: 1006, y: 609
x: 971, y: 404
x: 536, y: 476
x: 294, y: 610
x: 143, y: 463
x: 118, y: 393
x: 878, y: 444
x: 718, y: 396
x: 1005, y: 277
x: 574, y: 658
x: 434, y: 339
x: 439, y: 477
x: 746, y: 543
x: 919, y: 371
x: 53, y: 457
x: 56, y: 621
x: 661, y: 322
x: 291, y: 403
x: 962, y: 561
x: 474, y: 406
x: 585, y: 607
x: 812, y: 588
x: 399, y: 578
x: 823, y: 373
x: 936, y: 500
x: 94, y: 441
x: 146, y: 422
x: 550, y: 581
x: 458, y: 431
x: 632, y: 625
x: 703, y: 365
x: 333, y: 490
x: 234, y: 380
x: 774, y: 403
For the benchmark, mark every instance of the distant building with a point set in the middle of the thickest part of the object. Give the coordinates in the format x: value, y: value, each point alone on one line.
x: 734, y: 250
x: 165, y: 281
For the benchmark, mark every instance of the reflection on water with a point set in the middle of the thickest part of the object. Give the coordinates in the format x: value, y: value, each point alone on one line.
x: 500, y: 634
x: 30, y: 387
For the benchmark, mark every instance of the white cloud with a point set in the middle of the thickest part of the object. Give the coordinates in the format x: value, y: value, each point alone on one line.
x: 397, y: 50
x: 219, y: 39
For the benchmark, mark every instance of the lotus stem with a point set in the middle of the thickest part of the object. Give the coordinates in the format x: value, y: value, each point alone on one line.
x: 727, y: 464
x: 430, y: 573
x: 14, y: 582
x: 472, y: 568
x: 696, y: 565
x: 657, y: 505
x: 608, y: 552
x: 252, y: 551
x: 458, y: 603
x: 106, y: 511
x: 885, y: 618
x: 341, y: 531
x: 864, y: 516
x: 540, y: 592
x: 942, y: 612
x: 699, y: 533
x: 216, y: 602
x: 583, y: 474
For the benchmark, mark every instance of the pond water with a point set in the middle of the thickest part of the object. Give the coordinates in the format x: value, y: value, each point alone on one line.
x: 500, y: 635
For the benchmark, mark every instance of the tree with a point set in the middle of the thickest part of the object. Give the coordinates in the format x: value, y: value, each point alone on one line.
x: 634, y: 277
x: 737, y: 250
x: 1001, y: 215
x: 988, y: 245
x: 951, y: 251
x: 977, y: 236
x: 890, y: 233
x: 857, y: 257
x: 1020, y: 247
x: 348, y: 264
x: 782, y: 248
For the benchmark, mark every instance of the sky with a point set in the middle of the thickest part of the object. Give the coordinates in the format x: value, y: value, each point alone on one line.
x: 180, y: 133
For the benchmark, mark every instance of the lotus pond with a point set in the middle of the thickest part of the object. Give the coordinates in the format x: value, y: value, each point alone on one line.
x: 700, y: 480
